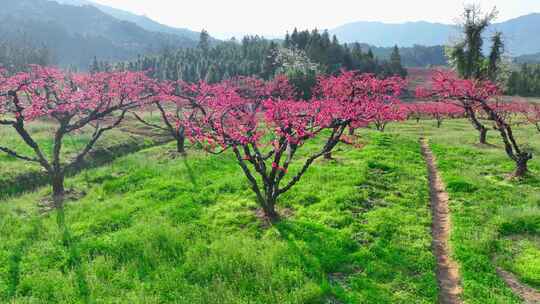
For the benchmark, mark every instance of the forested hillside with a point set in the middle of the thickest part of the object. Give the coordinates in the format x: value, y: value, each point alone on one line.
x: 302, y: 56
x: 140, y: 20
x: 74, y: 34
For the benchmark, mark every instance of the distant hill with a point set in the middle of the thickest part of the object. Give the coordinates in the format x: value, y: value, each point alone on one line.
x: 387, y: 35
x: 140, y: 20
x: 75, y: 34
x: 518, y: 33
x: 530, y: 58
x: 415, y: 56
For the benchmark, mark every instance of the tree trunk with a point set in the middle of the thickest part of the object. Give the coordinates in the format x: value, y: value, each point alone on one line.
x: 328, y: 156
x: 269, y: 208
x: 477, y: 125
x: 483, y: 135
x: 439, y: 123
x: 351, y: 131
x: 180, y: 145
x: 58, y: 191
x: 521, y: 165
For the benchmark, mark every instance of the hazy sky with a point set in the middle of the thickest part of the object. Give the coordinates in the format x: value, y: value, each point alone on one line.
x: 274, y: 17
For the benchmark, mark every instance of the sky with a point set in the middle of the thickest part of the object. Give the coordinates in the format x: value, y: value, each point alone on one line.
x: 226, y: 18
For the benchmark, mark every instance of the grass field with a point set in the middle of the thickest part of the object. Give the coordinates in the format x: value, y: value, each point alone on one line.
x: 156, y: 229
x: 18, y: 176
x: 494, y: 219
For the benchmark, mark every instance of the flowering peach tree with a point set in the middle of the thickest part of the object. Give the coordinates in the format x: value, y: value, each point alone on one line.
x: 267, y: 131
x: 483, y: 96
x: 72, y: 102
x: 471, y: 108
x: 439, y: 111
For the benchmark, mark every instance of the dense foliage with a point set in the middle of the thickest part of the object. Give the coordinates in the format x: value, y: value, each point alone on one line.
x: 415, y: 56
x: 301, y: 56
x: 467, y: 56
x: 16, y: 55
x: 525, y: 81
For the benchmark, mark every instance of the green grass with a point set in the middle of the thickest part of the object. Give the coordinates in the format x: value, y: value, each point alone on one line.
x: 151, y: 229
x: 493, y: 218
x: 17, y: 176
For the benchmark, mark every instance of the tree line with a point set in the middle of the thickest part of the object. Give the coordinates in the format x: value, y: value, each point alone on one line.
x: 16, y: 55
x: 302, y: 55
x: 525, y: 81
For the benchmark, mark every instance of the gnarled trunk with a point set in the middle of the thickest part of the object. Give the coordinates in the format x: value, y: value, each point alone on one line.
x: 269, y: 208
x: 58, y: 190
x: 180, y: 145
x: 180, y: 137
x: 477, y: 125
x: 522, y: 164
x: 483, y: 135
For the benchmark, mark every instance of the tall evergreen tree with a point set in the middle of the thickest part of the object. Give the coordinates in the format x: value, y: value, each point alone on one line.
x: 204, y: 41
x: 466, y: 56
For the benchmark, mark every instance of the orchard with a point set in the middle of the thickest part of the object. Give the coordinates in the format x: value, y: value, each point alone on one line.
x: 333, y: 179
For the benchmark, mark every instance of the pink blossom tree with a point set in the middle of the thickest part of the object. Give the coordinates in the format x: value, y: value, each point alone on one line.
x: 481, y: 94
x: 387, y: 113
x: 350, y: 87
x: 173, y: 107
x: 528, y: 112
x: 267, y: 134
x: 439, y: 111
x: 471, y: 109
x: 73, y: 102
x: 533, y: 115
x: 414, y: 111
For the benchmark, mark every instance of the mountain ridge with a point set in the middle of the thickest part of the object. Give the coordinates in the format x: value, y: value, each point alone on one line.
x: 141, y: 20
x: 75, y: 34
x: 406, y: 34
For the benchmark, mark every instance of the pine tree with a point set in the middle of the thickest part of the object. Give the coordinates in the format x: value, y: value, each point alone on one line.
x: 395, y: 63
x: 467, y: 56
x: 270, y: 61
x: 204, y: 42
x: 94, y: 67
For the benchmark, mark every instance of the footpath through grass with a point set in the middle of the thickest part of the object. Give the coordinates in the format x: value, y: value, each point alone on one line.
x: 152, y: 229
x: 496, y: 221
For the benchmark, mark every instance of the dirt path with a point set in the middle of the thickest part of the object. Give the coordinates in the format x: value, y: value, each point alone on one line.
x: 528, y: 294
x: 447, y: 269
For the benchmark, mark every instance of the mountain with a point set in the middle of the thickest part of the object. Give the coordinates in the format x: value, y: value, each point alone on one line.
x: 140, y: 20
x: 521, y: 34
x: 518, y: 33
x: 75, y: 34
x: 529, y: 58
x: 387, y: 34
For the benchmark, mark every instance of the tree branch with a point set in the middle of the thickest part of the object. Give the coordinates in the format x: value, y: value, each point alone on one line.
x: 17, y: 155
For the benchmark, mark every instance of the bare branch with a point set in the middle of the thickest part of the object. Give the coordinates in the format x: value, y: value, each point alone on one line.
x: 17, y: 155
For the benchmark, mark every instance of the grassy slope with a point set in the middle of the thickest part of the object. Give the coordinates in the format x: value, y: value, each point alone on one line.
x: 12, y: 168
x: 154, y: 230
x: 493, y: 218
